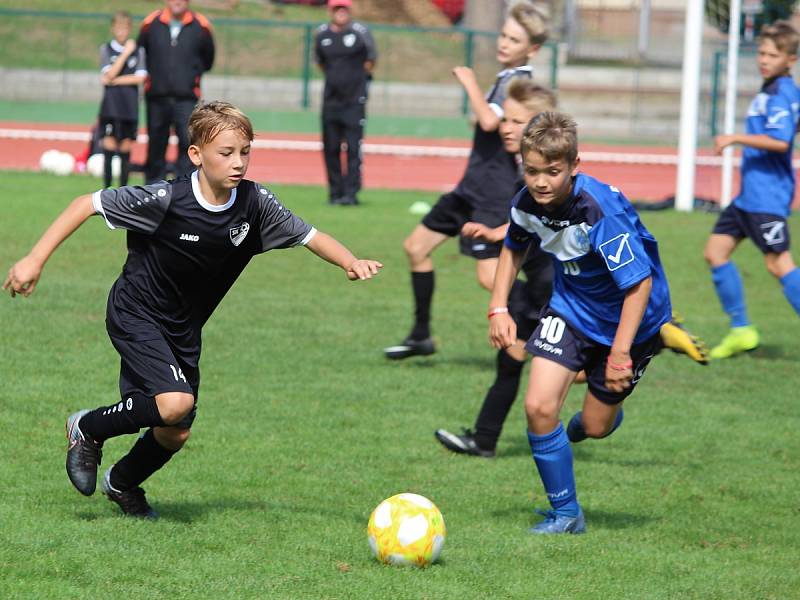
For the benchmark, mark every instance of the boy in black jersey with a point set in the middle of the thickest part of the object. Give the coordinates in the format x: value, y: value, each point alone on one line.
x: 188, y: 241
x: 485, y: 190
x: 122, y: 68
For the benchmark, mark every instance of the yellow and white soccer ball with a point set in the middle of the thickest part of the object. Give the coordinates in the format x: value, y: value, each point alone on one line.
x: 406, y: 529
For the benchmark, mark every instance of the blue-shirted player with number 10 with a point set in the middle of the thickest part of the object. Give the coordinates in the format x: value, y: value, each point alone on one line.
x: 610, y: 299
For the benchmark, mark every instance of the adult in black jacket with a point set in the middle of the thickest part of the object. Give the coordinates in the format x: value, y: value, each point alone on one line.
x: 346, y: 53
x: 180, y: 48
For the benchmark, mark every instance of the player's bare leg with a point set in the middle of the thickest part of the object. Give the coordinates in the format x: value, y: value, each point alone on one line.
x: 596, y: 420
x: 728, y: 284
x: 485, y: 269
x: 419, y: 246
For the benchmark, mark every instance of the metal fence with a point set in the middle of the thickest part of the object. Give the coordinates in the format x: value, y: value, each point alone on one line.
x: 259, y: 64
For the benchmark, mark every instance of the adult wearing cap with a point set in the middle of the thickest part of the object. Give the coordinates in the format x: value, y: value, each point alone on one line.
x: 345, y: 51
x: 179, y: 47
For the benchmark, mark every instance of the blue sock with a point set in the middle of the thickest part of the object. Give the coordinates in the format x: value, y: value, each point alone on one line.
x: 791, y: 288
x: 553, y: 457
x: 731, y: 293
x: 575, y: 431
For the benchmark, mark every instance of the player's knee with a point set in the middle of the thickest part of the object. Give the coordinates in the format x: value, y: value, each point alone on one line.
x: 711, y: 256
x: 172, y: 438
x: 486, y: 280
x: 538, y: 411
x: 414, y: 250
x: 596, y: 429
x: 174, y: 406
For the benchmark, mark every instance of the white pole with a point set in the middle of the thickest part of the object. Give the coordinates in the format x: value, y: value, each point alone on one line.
x: 730, y: 99
x: 690, y: 98
x: 644, y: 28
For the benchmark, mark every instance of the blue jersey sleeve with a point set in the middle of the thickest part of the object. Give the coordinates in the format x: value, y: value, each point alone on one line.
x: 616, y: 240
x: 780, y: 118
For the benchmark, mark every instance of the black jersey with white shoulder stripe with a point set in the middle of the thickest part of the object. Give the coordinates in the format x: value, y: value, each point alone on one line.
x: 491, y: 171
x: 184, y: 253
x: 121, y: 101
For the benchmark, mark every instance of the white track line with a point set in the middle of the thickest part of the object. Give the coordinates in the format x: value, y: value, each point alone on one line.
x: 632, y: 158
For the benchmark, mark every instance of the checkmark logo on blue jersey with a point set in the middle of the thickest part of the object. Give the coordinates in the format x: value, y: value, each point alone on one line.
x: 617, y: 251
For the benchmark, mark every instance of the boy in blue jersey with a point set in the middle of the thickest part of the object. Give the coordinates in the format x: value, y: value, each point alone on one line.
x: 760, y: 210
x: 610, y: 299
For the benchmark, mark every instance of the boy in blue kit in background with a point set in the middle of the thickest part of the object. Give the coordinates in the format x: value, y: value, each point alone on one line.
x: 188, y: 241
x: 122, y: 68
x: 760, y: 210
x: 610, y: 299
x: 484, y: 191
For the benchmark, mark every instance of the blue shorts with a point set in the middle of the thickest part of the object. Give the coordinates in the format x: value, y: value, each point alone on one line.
x: 556, y: 340
x: 769, y: 232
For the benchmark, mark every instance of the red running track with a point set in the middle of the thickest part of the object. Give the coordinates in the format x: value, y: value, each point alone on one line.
x: 387, y: 169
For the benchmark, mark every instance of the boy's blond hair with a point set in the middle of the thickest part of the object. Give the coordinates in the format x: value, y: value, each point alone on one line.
x: 532, y: 96
x: 121, y: 15
x: 783, y: 35
x: 552, y: 134
x: 532, y: 18
x: 210, y: 119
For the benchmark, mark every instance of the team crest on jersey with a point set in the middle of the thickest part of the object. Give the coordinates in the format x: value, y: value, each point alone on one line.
x: 582, y: 239
x: 349, y: 39
x: 239, y: 232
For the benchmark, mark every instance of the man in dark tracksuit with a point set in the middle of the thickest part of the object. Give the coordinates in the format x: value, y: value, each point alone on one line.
x: 180, y: 44
x: 346, y: 53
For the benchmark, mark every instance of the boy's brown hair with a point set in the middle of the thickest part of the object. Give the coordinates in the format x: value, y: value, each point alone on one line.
x: 783, y: 35
x: 533, y: 20
x: 121, y: 15
x: 532, y: 96
x: 210, y: 119
x: 552, y: 134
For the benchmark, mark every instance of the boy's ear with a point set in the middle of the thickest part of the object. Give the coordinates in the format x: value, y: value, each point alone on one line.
x: 534, y: 50
x: 194, y: 155
x: 576, y: 166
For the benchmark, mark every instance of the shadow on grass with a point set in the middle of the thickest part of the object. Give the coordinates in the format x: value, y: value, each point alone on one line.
x: 602, y: 519
x: 767, y: 352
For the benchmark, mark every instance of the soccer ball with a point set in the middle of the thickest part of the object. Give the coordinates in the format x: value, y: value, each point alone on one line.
x: 95, y: 165
x: 406, y: 529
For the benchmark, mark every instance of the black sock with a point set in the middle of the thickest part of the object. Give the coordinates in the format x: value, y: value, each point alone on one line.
x: 145, y: 458
x: 108, y: 155
x: 128, y: 415
x: 423, y: 284
x: 124, y: 167
x: 498, y: 401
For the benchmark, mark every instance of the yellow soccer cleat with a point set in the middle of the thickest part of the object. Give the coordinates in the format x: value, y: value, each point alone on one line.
x: 738, y: 340
x: 675, y: 337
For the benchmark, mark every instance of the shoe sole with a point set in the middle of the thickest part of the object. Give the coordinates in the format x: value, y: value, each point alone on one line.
x: 401, y: 352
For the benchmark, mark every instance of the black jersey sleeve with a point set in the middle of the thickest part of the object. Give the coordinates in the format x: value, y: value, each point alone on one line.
x: 497, y: 95
x: 279, y: 228
x: 105, y: 58
x: 136, y: 208
x: 369, y: 41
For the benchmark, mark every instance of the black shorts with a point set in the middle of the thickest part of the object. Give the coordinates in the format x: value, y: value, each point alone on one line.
x: 120, y: 129
x: 150, y: 365
x: 450, y: 213
x: 554, y: 339
x: 769, y: 232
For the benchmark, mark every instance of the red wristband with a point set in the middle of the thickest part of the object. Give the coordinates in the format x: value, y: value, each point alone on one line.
x: 496, y: 311
x: 625, y: 367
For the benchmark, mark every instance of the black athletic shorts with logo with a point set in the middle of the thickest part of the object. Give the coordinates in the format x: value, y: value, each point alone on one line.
x: 119, y: 129
x: 769, y: 232
x: 554, y: 339
x: 149, y: 364
x: 450, y: 213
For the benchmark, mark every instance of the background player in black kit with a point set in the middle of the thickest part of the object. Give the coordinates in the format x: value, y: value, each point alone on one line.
x: 122, y: 68
x: 188, y: 241
x: 484, y: 193
x: 346, y: 53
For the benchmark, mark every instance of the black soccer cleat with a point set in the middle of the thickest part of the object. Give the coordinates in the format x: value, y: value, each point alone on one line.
x: 462, y: 444
x: 410, y: 347
x: 83, y: 456
x: 132, y: 501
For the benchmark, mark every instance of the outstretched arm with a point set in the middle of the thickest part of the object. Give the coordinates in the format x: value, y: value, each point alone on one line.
x: 24, y: 275
x: 759, y: 141
x: 328, y: 248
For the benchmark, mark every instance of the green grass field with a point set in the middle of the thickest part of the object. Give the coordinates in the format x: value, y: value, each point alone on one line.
x: 303, y: 428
